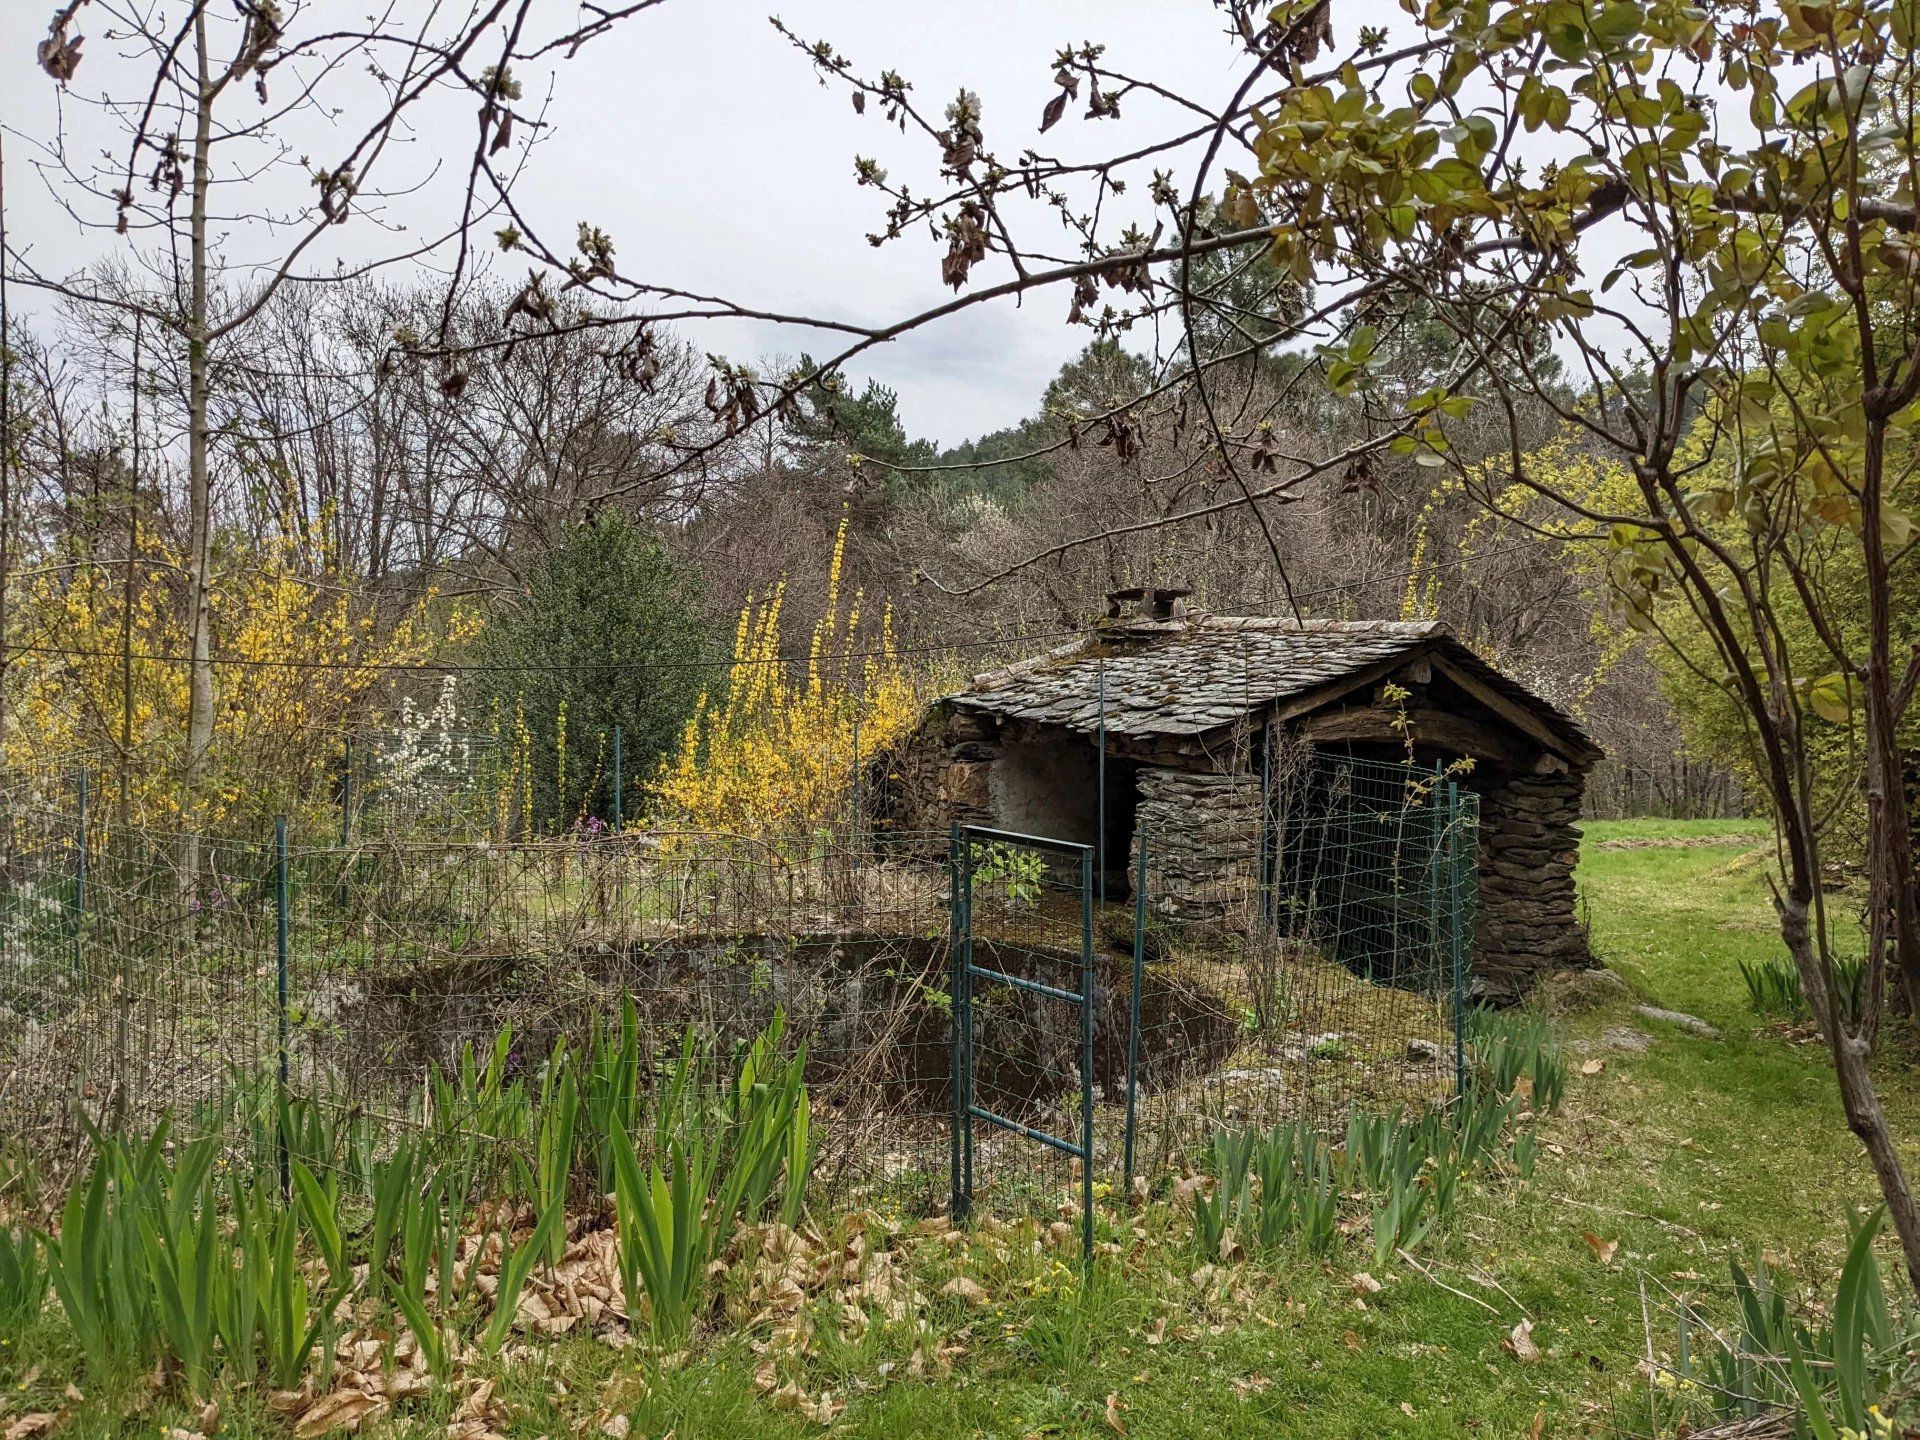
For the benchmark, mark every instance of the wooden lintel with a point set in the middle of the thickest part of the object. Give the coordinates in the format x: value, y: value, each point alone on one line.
x: 1514, y: 714
x: 1439, y: 729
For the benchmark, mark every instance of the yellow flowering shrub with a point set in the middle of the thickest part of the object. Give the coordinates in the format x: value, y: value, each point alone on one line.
x: 299, y: 655
x: 773, y: 754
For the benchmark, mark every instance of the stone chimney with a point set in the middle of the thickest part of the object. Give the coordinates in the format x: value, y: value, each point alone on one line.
x: 1148, y: 602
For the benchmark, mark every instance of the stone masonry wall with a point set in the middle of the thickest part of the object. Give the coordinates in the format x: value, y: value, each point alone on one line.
x: 1202, y: 835
x: 1528, y: 848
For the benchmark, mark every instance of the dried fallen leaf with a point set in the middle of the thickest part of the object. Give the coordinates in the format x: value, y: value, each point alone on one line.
x: 1520, y: 1343
x: 1602, y: 1249
x: 963, y: 1288
x: 1365, y: 1284
x: 1593, y: 1067
x: 40, y: 1422
x: 1114, y: 1407
x: 1539, y: 1426
x: 1352, y: 1339
x: 615, y: 1427
x: 342, y: 1410
x: 1407, y: 1409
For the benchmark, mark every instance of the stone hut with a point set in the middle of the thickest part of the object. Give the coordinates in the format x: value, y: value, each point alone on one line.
x: 1198, y: 706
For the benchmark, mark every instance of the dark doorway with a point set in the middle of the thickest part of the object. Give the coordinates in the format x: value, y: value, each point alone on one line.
x: 1116, y: 849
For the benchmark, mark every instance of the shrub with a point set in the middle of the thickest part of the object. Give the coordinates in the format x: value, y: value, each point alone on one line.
x: 316, y: 650
x: 774, y: 752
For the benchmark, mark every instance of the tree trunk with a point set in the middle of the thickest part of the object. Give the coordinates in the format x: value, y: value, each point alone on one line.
x: 199, y: 489
x: 1858, y: 1098
x: 7, y: 443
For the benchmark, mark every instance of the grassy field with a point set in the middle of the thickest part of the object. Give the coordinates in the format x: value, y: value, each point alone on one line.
x: 1672, y: 1152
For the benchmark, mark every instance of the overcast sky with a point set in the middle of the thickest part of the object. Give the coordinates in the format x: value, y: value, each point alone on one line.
x: 700, y: 140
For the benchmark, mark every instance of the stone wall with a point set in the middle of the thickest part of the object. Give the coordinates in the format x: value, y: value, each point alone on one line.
x: 1203, y: 834
x: 1528, y: 848
x: 940, y: 775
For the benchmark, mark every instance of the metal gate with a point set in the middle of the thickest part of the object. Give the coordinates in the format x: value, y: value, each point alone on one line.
x: 1008, y: 891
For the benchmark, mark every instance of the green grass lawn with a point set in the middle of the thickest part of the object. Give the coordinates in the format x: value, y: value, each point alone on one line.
x: 1672, y: 1151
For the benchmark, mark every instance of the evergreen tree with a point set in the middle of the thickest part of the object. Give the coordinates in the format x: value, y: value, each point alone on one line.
x: 609, y: 630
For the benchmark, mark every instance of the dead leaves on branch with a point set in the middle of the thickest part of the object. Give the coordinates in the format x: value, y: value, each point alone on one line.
x: 966, y: 243
x: 59, y: 53
x: 1067, y: 66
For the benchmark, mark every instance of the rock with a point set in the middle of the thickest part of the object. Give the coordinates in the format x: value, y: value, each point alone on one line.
x: 1625, y: 1037
x: 1422, y: 1050
x: 1272, y: 1075
x: 1566, y: 992
x: 1679, y: 1018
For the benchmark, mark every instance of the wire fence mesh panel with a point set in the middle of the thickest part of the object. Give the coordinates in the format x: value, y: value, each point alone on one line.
x: 1287, y: 939
x: 1310, y: 966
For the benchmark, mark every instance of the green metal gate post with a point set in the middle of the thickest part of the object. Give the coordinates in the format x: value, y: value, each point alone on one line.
x: 80, y: 879
x: 1100, y: 822
x: 280, y: 989
x: 956, y: 967
x: 966, y: 1023
x: 1086, y: 1055
x: 966, y: 1110
x: 1133, y: 1001
x: 1456, y: 877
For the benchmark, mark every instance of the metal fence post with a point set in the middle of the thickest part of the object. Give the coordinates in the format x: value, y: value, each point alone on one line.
x: 1086, y: 1056
x: 619, y: 785
x: 954, y: 967
x: 346, y: 818
x: 1100, y: 833
x: 1133, y: 1000
x: 280, y: 992
x: 1456, y: 879
x: 80, y: 878
x: 1263, y: 867
x: 1439, y: 870
x: 966, y: 1026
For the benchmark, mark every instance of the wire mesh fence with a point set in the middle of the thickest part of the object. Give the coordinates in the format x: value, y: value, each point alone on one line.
x: 1325, y: 971
x: 1312, y: 961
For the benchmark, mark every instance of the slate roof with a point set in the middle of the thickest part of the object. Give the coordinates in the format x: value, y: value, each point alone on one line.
x: 1199, y: 673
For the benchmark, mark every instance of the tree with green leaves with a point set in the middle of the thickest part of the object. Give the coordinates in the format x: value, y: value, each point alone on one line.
x: 608, y: 630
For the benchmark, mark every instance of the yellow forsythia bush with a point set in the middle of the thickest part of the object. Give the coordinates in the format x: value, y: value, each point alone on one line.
x: 299, y: 651
x: 773, y: 755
